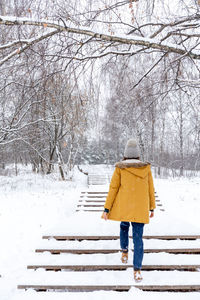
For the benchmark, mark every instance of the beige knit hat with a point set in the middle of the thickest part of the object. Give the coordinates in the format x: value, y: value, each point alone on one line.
x: 132, y: 150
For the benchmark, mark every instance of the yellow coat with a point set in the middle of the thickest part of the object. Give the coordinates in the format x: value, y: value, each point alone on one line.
x: 131, y: 193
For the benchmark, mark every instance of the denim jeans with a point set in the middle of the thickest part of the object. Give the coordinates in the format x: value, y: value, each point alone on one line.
x: 137, y: 241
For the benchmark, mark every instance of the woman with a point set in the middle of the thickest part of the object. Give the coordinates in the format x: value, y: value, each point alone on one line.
x: 130, y: 198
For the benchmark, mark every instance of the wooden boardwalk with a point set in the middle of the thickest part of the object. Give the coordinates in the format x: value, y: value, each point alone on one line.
x: 93, y: 201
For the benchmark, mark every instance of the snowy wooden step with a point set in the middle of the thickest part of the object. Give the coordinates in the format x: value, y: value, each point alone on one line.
x: 89, y: 210
x: 108, y: 237
x: 98, y: 180
x: 90, y: 205
x: 109, y: 251
x: 121, y: 288
x: 95, y: 193
x: 92, y: 201
x: 101, y: 201
x: 193, y: 268
x: 97, y: 205
x: 114, y: 244
x: 95, y: 197
x: 98, y: 210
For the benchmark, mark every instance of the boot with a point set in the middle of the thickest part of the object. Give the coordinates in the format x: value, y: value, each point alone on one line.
x: 124, y: 257
x: 137, y: 275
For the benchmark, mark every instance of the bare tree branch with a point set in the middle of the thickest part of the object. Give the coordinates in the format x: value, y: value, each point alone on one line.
x: 29, y: 43
x: 137, y: 41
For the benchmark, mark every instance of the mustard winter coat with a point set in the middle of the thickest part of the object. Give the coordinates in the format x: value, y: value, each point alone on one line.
x: 131, y: 193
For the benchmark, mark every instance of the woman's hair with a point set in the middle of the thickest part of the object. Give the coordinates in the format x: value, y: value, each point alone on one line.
x: 124, y: 158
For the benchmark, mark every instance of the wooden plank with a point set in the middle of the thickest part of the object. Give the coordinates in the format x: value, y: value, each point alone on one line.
x: 121, y: 288
x: 79, y: 251
x: 97, y: 176
x: 90, y: 205
x: 94, y: 193
x: 172, y: 237
x: 97, y: 183
x: 98, y: 201
x: 109, y: 251
x: 90, y: 210
x: 80, y: 238
x: 191, y: 268
x: 169, y: 288
x: 174, y: 251
x: 110, y: 237
x: 76, y: 288
x: 95, y: 197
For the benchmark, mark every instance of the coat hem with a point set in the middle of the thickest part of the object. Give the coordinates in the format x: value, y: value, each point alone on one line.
x: 128, y: 220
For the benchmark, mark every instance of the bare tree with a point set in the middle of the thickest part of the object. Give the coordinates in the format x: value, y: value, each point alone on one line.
x: 148, y: 53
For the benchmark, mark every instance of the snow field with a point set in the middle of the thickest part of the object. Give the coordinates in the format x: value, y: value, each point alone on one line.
x: 33, y: 206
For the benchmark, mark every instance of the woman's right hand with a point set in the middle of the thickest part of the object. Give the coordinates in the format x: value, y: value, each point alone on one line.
x: 151, y: 214
x: 105, y: 216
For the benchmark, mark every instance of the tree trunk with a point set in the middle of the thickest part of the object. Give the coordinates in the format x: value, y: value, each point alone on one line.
x: 51, y: 161
x: 60, y: 163
x: 181, y: 141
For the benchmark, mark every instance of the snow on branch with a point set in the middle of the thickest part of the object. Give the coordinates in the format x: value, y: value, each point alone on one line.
x: 101, y: 36
x: 27, y: 42
x: 14, y: 43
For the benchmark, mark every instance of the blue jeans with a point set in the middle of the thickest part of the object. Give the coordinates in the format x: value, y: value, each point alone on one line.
x: 137, y: 241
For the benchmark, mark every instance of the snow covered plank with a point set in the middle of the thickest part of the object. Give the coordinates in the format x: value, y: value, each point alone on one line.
x: 94, y: 179
x: 169, y: 288
x: 97, y: 201
x: 97, y: 210
x: 79, y: 237
x: 191, y: 268
x: 89, y: 205
x: 172, y: 237
x: 108, y: 251
x: 95, y: 197
x: 76, y: 288
x: 100, y: 193
x: 121, y: 288
x: 92, y: 201
x: 174, y: 251
x: 97, y: 182
x: 107, y: 237
x: 95, y: 193
x: 90, y: 210
x: 114, y: 244
x: 79, y: 251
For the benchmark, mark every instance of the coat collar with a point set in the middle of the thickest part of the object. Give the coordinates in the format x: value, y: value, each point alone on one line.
x: 129, y: 163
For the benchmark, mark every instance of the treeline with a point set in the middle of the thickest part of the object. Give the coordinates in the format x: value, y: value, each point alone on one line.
x: 74, y: 96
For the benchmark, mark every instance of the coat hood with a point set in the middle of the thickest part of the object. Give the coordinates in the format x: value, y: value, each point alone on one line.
x: 134, y: 166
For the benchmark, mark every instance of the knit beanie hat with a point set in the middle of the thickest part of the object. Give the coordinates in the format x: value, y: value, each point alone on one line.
x: 132, y: 150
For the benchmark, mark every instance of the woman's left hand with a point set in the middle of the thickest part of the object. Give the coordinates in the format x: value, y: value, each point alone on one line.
x: 105, y: 216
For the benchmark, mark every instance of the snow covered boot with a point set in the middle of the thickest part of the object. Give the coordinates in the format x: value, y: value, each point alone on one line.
x: 137, y: 276
x: 124, y: 257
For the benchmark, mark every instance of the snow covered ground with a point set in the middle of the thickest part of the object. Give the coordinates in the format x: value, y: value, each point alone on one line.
x: 33, y: 205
